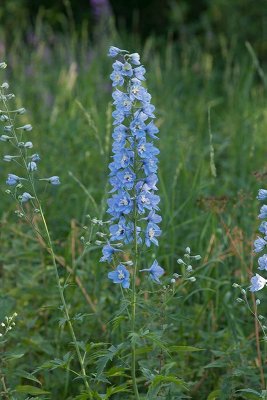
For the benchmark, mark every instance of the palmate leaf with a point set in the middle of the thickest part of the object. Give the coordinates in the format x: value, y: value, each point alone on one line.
x: 27, y: 375
x: 56, y: 363
x: 104, y: 356
x: 161, y: 380
x: 116, y: 389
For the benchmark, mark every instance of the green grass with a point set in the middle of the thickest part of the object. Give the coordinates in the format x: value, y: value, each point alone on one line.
x: 63, y: 81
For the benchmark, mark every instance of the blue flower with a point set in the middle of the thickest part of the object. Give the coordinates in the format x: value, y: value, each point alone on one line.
x: 139, y: 73
x: 259, y: 244
x: 127, y: 69
x: 120, y: 204
x: 153, y: 217
x: 118, y: 231
x: 152, y: 130
x: 257, y: 283
x: 54, y: 180
x: 147, y: 200
x: 155, y: 271
x: 135, y: 58
x: 35, y: 157
x: 152, y: 232
x: 117, y: 78
x: 108, y: 252
x: 12, y: 179
x: 262, y: 195
x: 150, y: 165
x: 263, y: 227
x: 146, y: 149
x: 262, y: 261
x: 263, y: 212
x: 120, y: 275
x: 32, y: 166
x: 26, y: 197
x: 114, y: 51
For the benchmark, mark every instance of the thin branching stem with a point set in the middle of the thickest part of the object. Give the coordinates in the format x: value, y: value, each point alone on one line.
x: 52, y: 254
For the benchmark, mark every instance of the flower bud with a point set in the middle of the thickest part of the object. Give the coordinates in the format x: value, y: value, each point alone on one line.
x: 8, y: 128
x: 10, y: 96
x: 192, y: 279
x: 5, y: 138
x: 239, y: 300
x: 27, y: 145
x: 26, y: 127
x: 5, y: 85
x: 21, y: 111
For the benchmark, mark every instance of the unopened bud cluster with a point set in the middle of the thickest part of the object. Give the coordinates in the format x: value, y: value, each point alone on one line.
x: 186, y: 267
x: 8, y: 324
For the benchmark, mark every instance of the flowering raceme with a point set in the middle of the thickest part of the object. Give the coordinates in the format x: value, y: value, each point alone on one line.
x: 133, y: 203
x: 257, y: 281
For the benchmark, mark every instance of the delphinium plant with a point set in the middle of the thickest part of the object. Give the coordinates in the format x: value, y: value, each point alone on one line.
x: 133, y: 204
x: 23, y: 182
x: 133, y: 209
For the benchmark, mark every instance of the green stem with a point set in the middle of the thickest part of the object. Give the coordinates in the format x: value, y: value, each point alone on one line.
x: 64, y: 304
x: 133, y: 363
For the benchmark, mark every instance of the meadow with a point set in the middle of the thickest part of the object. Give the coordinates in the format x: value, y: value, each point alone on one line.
x: 195, y: 342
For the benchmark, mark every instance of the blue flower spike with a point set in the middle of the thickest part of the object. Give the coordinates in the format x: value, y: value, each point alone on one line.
x: 133, y: 205
x: 257, y: 281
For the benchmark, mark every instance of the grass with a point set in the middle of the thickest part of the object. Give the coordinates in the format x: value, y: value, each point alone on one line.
x: 63, y: 80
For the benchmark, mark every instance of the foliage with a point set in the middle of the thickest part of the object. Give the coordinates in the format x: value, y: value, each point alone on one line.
x: 199, y: 343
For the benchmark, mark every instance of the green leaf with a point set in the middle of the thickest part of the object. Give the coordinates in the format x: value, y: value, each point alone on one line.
x: 179, y: 349
x: 27, y: 375
x: 105, y: 356
x: 217, y: 364
x: 214, y: 395
x: 34, y: 391
x: 14, y: 355
x: 249, y: 394
x: 115, y: 389
x: 144, y: 349
x: 158, y: 379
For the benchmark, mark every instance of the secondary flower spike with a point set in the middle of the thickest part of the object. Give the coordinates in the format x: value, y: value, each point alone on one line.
x: 257, y: 281
x: 133, y: 205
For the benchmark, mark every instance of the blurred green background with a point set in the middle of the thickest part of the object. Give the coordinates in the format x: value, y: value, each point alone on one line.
x: 206, y: 64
